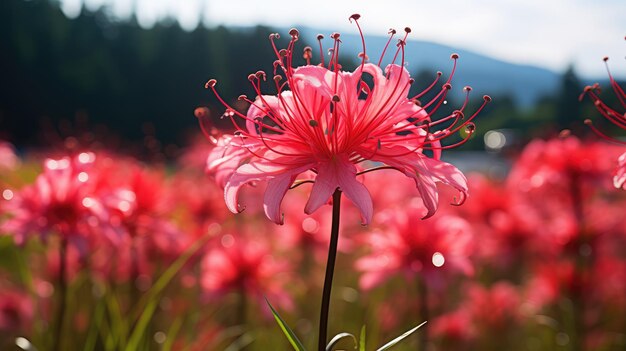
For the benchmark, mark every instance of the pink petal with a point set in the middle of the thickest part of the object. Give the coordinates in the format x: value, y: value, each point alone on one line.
x: 275, y: 192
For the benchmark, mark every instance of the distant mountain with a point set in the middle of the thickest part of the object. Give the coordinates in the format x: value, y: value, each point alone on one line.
x: 485, y: 74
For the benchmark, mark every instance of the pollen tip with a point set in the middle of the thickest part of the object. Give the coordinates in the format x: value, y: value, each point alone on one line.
x: 261, y: 74
x: 487, y: 98
x: 242, y: 97
x: 278, y: 78
x: 313, y: 123
x: 454, y: 56
x: 411, y: 81
x: 210, y: 84
x: 320, y: 36
x: 294, y: 33
x: 588, y: 88
x: 335, y: 35
x: 565, y: 133
x: 391, y: 31
x: 201, y: 112
x: 282, y: 52
x: 447, y: 86
x: 467, y: 88
x: 355, y: 17
x: 439, y: 73
x: 407, y: 29
x: 588, y: 122
x: 336, y: 98
x: 251, y: 76
x: 605, y: 58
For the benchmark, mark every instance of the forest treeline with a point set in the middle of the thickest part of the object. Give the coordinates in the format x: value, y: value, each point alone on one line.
x: 94, y: 73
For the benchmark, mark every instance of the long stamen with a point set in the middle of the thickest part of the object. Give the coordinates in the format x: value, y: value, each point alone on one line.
x: 616, y: 88
x: 363, y: 55
x: 382, y: 55
x: 319, y: 40
x: 602, y: 135
x: 425, y: 91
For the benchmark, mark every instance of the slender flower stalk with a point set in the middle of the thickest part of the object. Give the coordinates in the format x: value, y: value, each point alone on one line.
x: 330, y: 269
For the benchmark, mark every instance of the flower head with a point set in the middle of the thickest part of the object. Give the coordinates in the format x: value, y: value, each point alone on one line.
x: 63, y: 200
x: 613, y: 116
x: 326, y: 126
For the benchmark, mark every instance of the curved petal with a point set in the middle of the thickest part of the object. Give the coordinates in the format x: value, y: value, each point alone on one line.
x: 340, y: 173
x: 275, y: 192
x: 428, y: 192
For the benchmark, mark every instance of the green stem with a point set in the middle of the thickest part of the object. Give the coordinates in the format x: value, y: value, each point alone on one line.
x: 330, y: 269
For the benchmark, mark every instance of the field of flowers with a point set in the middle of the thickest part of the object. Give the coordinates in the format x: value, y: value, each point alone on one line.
x: 102, y: 251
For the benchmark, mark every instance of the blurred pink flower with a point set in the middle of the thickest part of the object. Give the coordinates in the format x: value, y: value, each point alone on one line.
x: 329, y: 125
x: 405, y: 245
x: 247, y: 267
x: 8, y: 159
x: 63, y: 200
x: 16, y: 310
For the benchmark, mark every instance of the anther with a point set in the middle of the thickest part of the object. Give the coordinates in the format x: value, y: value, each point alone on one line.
x: 447, y: 86
x: 417, y: 102
x: 242, y: 97
x: 294, y: 33
x: 335, y: 35
x: 588, y: 122
x: 565, y: 133
x: 487, y: 98
x: 467, y: 88
x: 454, y: 56
x: 355, y: 17
x: 439, y: 73
x: 587, y: 89
x: 282, y: 52
x: 307, y: 52
x: 407, y: 30
x: 210, y: 84
x: 605, y: 58
x: 278, y: 78
x: 336, y: 98
x: 251, y: 77
x: 411, y: 81
x: 470, y: 128
x: 260, y: 74
x: 391, y: 31
x: 201, y: 112
x: 320, y: 36
x: 313, y: 123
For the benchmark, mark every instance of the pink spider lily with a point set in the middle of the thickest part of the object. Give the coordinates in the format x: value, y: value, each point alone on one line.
x: 327, y: 126
x: 63, y: 200
x: 613, y: 116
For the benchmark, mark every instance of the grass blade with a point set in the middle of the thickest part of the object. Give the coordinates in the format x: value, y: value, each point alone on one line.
x: 151, y: 296
x: 362, y: 339
x: 399, y: 338
x: 337, y: 338
x: 291, y: 336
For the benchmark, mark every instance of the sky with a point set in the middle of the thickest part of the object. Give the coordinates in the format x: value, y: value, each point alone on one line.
x: 545, y: 33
